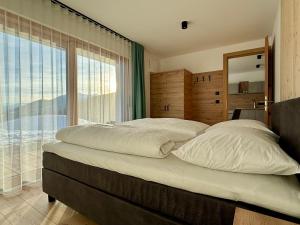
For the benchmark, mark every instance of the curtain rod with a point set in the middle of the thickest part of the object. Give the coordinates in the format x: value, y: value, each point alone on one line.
x: 62, y: 5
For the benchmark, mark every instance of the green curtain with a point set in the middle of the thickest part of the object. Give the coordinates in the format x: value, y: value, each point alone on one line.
x: 138, y: 92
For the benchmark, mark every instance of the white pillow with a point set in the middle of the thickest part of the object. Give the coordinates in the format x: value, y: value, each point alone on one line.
x: 186, y: 127
x: 238, y: 149
x: 244, y: 123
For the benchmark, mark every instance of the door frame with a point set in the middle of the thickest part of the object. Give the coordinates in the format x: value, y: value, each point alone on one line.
x: 231, y: 55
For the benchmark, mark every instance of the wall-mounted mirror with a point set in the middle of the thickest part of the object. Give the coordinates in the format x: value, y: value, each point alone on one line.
x: 246, y: 82
x: 249, y: 84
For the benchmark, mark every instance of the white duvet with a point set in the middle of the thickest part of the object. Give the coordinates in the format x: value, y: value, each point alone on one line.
x: 187, y: 129
x: 154, y: 138
x: 118, y: 138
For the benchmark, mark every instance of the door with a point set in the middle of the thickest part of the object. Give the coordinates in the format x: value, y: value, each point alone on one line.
x: 268, y: 99
x: 157, y: 98
x: 174, y: 94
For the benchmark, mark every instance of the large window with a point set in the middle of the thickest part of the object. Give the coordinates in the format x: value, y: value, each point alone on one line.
x: 33, y: 87
x: 96, y: 86
x: 49, y: 80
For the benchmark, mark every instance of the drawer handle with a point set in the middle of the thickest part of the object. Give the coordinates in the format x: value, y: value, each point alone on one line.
x: 217, y: 101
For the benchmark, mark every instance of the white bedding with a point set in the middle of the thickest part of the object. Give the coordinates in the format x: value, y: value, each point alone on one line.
x: 238, y: 149
x: 187, y: 129
x: 278, y: 193
x: 121, y: 139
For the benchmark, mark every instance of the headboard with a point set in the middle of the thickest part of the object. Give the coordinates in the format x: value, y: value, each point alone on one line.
x: 286, y: 123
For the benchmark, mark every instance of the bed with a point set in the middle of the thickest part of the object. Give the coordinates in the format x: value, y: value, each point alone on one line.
x: 117, y: 189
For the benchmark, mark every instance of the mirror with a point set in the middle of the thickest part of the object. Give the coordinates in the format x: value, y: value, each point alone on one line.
x: 246, y: 83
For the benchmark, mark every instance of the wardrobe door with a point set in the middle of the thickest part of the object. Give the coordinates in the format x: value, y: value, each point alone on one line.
x: 188, y: 111
x: 174, y: 95
x: 157, y: 95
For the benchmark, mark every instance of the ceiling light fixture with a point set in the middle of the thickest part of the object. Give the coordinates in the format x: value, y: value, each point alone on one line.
x: 184, y: 25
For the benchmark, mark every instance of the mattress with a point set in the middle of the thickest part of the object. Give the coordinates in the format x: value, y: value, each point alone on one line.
x: 277, y: 193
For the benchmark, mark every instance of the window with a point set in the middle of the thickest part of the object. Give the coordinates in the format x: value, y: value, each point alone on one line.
x: 33, y: 105
x: 49, y: 80
x: 96, y: 86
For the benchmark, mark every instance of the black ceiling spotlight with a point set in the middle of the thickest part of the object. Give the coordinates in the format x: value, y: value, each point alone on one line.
x: 184, y: 25
x: 258, y: 66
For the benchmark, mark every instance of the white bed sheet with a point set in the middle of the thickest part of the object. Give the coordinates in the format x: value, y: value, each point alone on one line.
x: 278, y: 193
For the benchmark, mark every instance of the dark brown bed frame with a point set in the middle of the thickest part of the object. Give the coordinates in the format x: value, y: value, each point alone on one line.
x: 70, y: 182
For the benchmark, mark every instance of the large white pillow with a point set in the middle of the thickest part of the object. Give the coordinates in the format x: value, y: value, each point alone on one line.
x: 187, y: 127
x: 244, y: 123
x: 238, y: 149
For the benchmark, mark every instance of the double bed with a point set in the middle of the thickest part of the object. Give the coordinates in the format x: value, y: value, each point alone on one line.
x: 114, y: 188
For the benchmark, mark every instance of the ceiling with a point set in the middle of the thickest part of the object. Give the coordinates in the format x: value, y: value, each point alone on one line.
x: 246, y: 64
x: 156, y: 23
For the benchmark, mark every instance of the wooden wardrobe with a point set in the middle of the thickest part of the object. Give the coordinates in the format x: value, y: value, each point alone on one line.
x: 171, y: 94
x: 180, y: 94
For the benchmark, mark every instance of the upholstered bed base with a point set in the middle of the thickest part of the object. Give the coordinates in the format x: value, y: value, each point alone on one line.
x: 108, y: 197
x: 102, y: 207
x: 176, y: 205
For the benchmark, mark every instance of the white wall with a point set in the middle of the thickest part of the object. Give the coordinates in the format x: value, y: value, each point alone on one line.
x: 276, y: 38
x: 152, y: 64
x: 207, y: 60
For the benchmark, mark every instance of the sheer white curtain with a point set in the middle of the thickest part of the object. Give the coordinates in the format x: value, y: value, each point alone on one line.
x: 33, y: 102
x: 103, y: 84
x: 56, y: 69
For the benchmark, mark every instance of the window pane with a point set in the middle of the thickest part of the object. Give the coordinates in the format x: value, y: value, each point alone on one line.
x: 96, y: 83
x: 33, y: 105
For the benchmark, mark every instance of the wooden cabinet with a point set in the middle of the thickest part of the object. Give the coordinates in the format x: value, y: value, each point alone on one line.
x: 171, y: 94
x: 180, y: 94
x: 208, y: 97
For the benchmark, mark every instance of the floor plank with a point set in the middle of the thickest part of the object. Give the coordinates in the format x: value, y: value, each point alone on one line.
x: 31, y: 207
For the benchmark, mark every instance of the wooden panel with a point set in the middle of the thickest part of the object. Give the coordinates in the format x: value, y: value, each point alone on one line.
x: 175, y: 94
x: 244, y: 101
x: 188, y: 95
x: 157, y: 89
x: 208, y: 97
x: 157, y: 83
x: 246, y: 217
x: 290, y: 50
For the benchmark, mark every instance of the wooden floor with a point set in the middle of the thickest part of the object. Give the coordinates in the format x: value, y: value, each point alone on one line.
x: 31, y: 207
